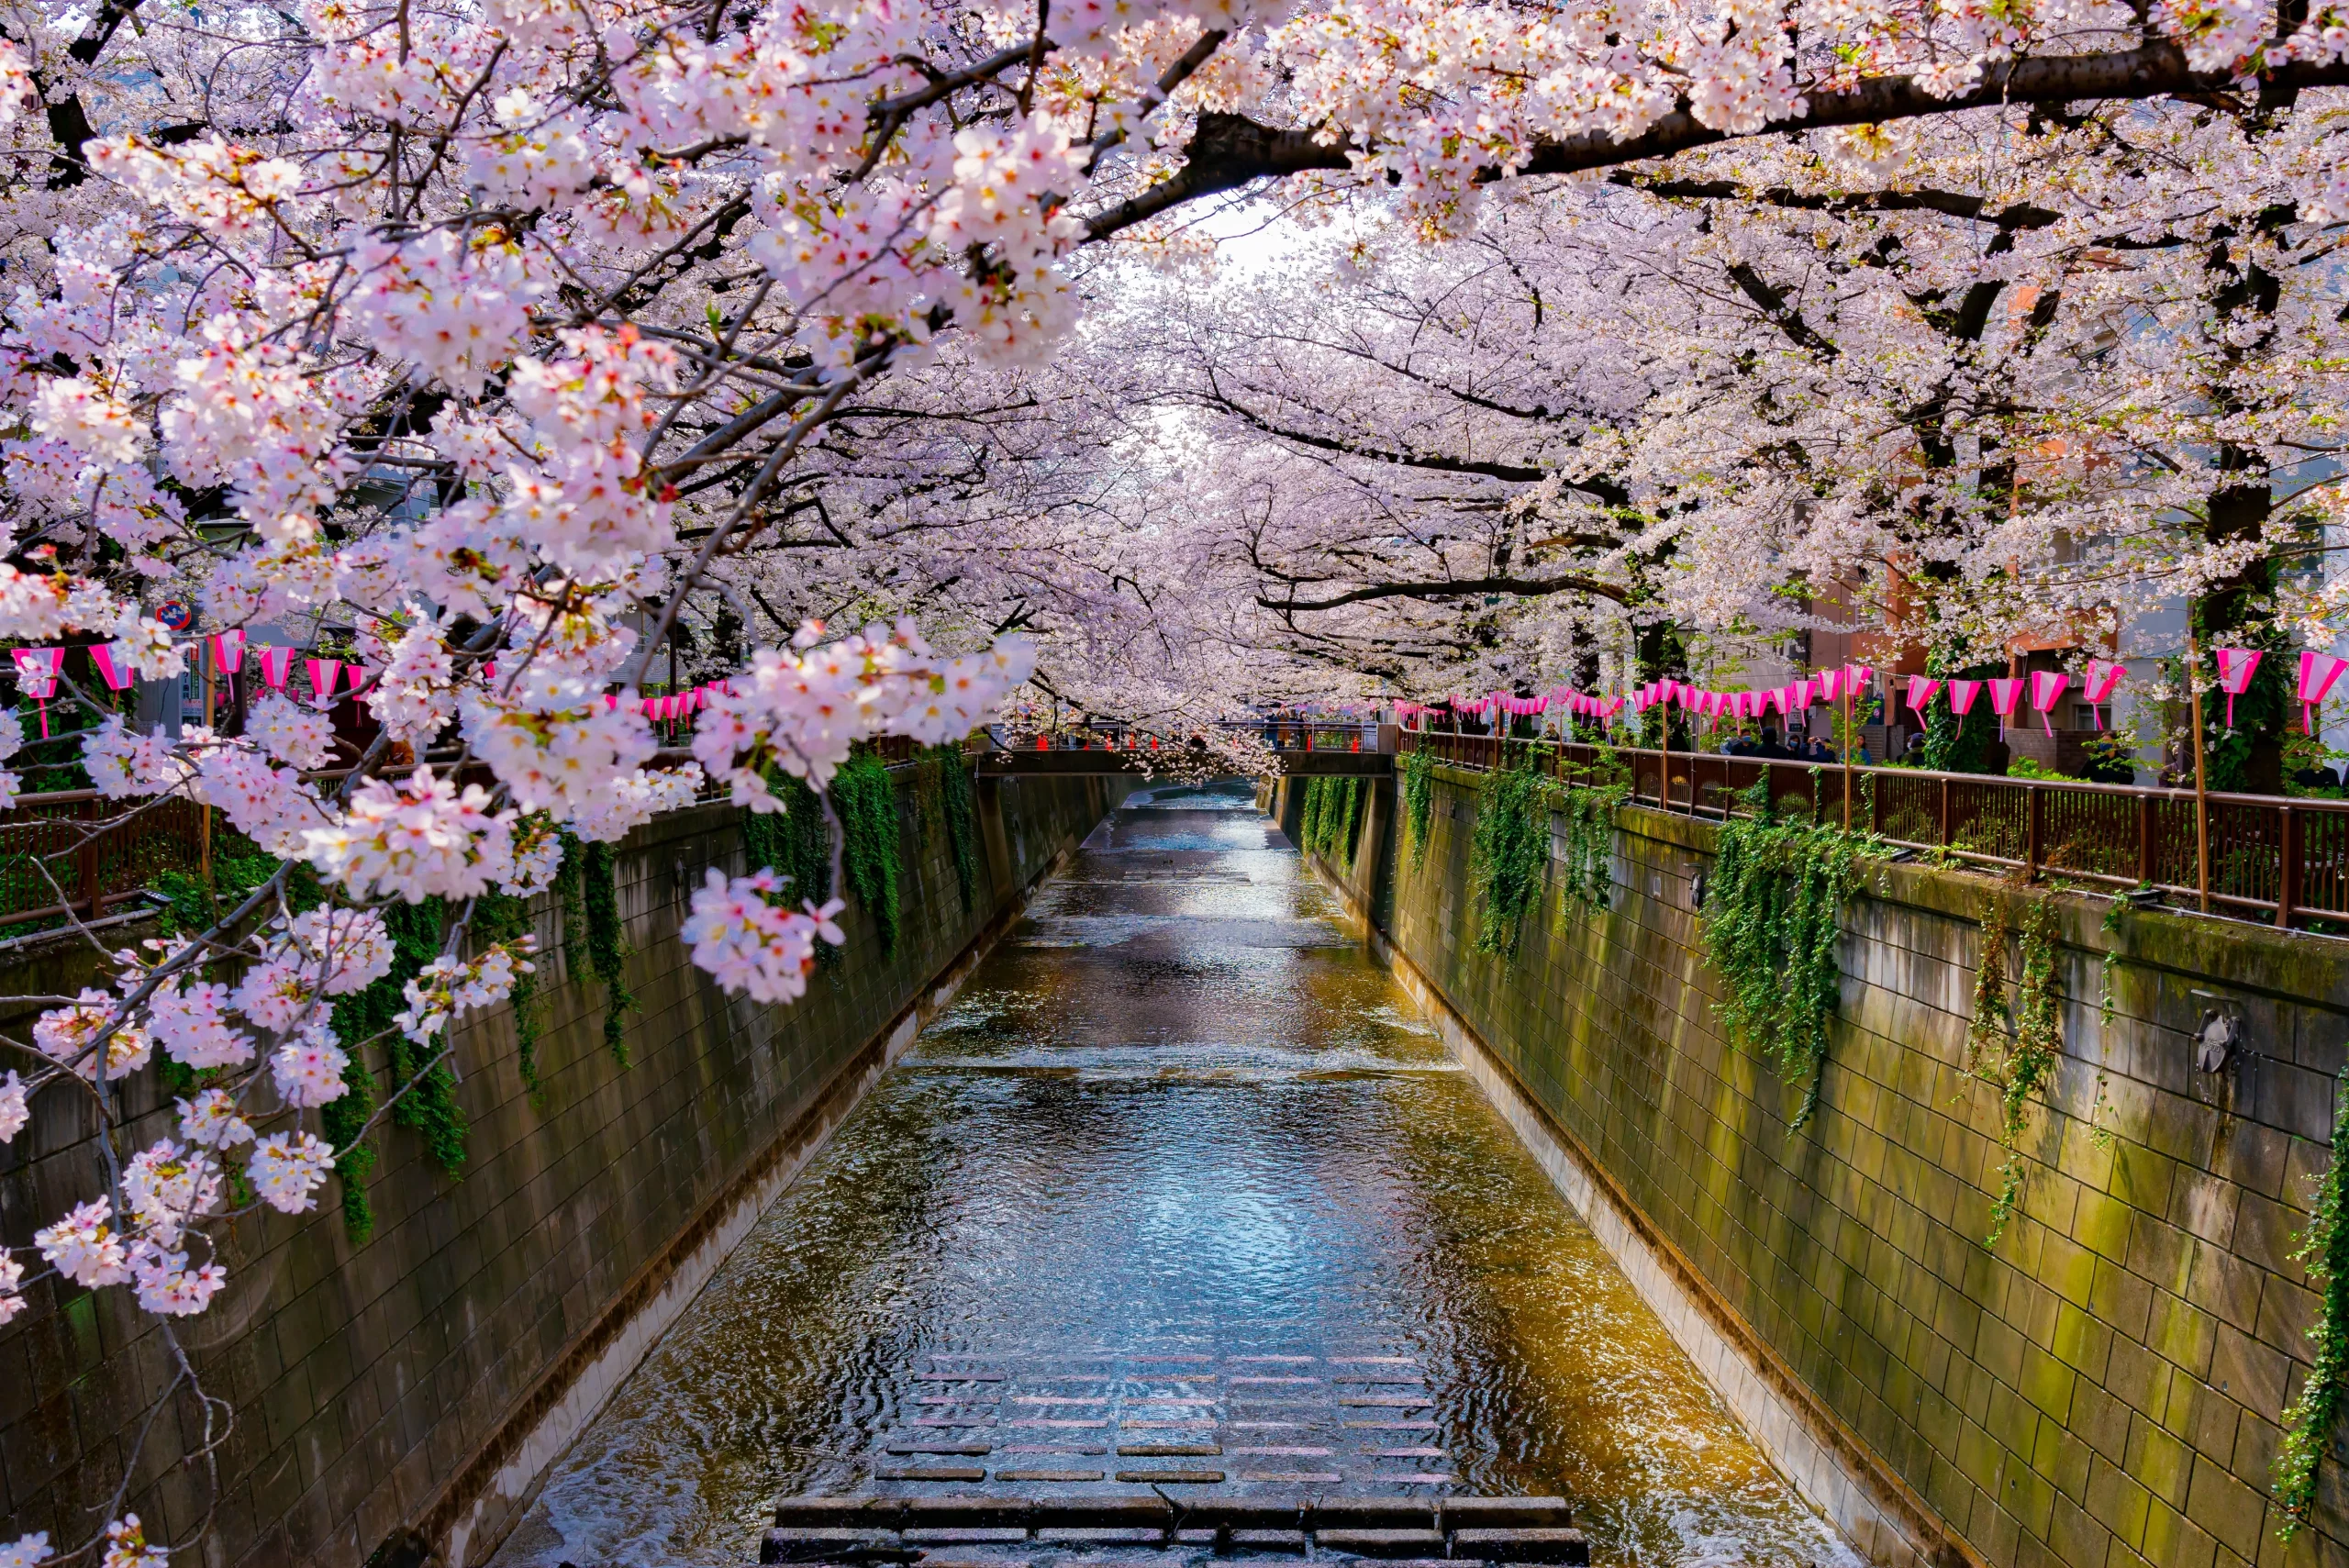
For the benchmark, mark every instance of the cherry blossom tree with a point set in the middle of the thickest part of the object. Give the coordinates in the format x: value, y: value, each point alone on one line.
x: 546, y: 339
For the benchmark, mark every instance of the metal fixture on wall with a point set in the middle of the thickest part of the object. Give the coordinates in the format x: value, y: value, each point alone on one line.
x: 2219, y: 1036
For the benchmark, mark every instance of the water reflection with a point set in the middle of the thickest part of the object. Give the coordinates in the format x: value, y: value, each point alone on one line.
x: 1182, y: 1169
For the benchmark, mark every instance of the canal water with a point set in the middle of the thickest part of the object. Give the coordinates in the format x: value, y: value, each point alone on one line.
x: 1180, y: 1181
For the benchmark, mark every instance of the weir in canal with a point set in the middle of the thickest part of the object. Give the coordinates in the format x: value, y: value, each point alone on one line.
x: 1179, y: 1198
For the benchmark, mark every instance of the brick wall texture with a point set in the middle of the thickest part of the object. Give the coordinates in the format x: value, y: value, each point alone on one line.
x: 361, y: 1379
x: 2105, y: 1389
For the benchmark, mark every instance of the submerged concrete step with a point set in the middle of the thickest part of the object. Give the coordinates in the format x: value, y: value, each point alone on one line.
x: 1508, y: 1532
x: 1541, y: 1545
x: 1444, y: 1514
x: 1381, y: 1542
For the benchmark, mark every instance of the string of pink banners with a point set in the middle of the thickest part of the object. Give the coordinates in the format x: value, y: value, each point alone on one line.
x: 2043, y: 689
x: 330, y: 681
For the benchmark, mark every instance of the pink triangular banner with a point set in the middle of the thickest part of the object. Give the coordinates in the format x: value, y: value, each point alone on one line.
x: 2046, y: 688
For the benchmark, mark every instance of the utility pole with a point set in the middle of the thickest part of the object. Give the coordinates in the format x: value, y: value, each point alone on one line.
x: 1848, y: 733
x: 203, y: 817
x: 2201, y: 781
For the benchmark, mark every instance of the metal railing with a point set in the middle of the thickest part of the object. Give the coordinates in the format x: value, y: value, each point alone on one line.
x: 74, y: 843
x: 2278, y: 860
x: 1281, y: 734
x: 99, y: 852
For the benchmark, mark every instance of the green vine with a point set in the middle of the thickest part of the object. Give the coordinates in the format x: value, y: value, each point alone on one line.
x: 959, y: 803
x: 2116, y: 914
x: 1772, y: 918
x: 2013, y: 1044
x: 503, y: 918
x: 1418, y: 801
x: 1506, y: 855
x: 1332, y: 810
x: 341, y: 1120
x: 866, y: 799
x: 429, y: 1108
x: 607, y: 950
x: 798, y: 843
x: 1585, y: 872
x: 2324, y: 1251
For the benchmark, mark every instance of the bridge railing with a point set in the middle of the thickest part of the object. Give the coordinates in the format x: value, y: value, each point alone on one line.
x: 2273, y: 858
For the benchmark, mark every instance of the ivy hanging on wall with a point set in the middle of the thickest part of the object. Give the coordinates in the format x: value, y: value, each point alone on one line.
x: 1586, y: 859
x: 1506, y: 855
x: 866, y: 799
x: 1349, y: 821
x: 1417, y: 781
x: 1587, y: 865
x: 960, y: 802
x: 607, y: 942
x: 429, y: 1108
x: 2013, y: 1044
x: 343, y: 1120
x: 798, y: 842
x: 502, y: 917
x: 1330, y: 820
x: 2309, y: 1425
x: 1772, y: 919
x: 360, y: 1020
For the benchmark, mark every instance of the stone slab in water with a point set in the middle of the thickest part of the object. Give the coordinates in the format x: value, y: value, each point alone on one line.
x: 1099, y: 1535
x: 1522, y: 1545
x: 1382, y: 1542
x: 1269, y: 1540
x: 1173, y: 1477
x: 1169, y: 1451
x: 1522, y: 1512
x: 1062, y: 1475
x: 801, y: 1545
x: 930, y: 1472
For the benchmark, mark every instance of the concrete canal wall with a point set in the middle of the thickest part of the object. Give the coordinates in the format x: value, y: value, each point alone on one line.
x: 2107, y: 1387
x: 397, y: 1401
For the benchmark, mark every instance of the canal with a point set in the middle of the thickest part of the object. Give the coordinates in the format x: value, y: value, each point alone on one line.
x: 1181, y: 1183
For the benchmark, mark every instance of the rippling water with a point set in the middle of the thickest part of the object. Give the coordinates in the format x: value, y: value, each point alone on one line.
x: 1180, y: 1166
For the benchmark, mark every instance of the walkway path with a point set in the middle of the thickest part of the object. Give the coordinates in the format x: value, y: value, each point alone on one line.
x: 1180, y: 1184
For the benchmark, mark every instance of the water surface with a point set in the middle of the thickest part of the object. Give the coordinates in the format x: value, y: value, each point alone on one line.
x: 1181, y: 1168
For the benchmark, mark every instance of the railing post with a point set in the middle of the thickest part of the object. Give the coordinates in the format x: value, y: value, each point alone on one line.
x: 85, y: 860
x: 2030, y: 839
x: 2145, y: 839
x: 1944, y: 814
x: 2288, y: 880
